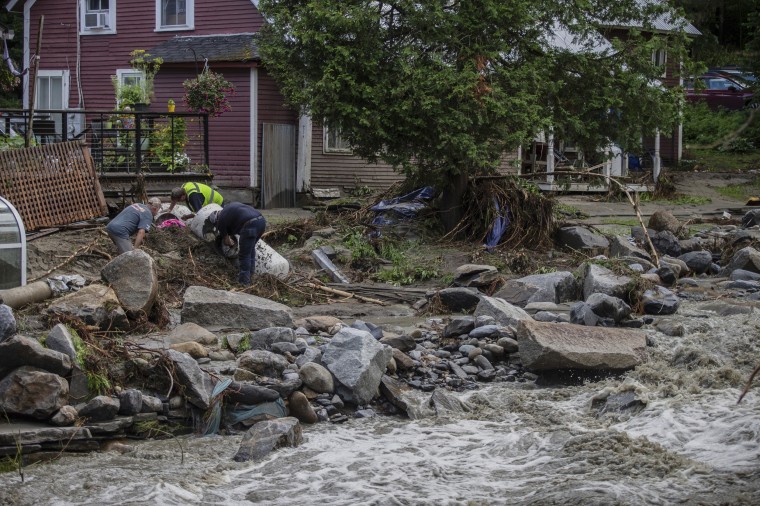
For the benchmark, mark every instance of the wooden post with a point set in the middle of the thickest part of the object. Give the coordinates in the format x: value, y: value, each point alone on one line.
x: 550, y: 157
x: 33, y: 85
x: 657, y: 162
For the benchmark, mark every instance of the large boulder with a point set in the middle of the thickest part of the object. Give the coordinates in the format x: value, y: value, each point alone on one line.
x: 697, y: 261
x: 458, y: 299
x: 216, y: 309
x: 358, y: 363
x: 20, y: 351
x: 659, y: 301
x: 664, y: 220
x: 29, y: 391
x: 599, y: 279
x: 60, y: 339
x: 746, y: 259
x: 556, y: 287
x: 581, y: 239
x: 263, y: 363
x: 472, y: 275
x: 7, y: 323
x: 133, y: 277
x: 501, y: 311
x: 95, y: 305
x: 317, y: 378
x: 197, y: 383
x: 548, y: 346
x: 267, y: 436
x: 101, y: 408
x: 607, y: 306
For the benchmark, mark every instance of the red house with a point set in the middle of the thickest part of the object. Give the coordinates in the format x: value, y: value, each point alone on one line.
x: 259, y: 144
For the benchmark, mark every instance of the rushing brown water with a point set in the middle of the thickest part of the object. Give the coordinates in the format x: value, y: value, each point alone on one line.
x: 520, y: 444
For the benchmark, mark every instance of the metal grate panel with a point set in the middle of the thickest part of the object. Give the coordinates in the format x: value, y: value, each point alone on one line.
x: 278, y: 166
x: 51, y: 185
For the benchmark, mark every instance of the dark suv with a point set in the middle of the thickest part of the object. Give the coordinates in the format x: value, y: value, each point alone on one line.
x: 720, y: 90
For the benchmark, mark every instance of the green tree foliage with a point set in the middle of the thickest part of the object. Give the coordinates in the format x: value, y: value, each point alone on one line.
x: 10, y: 85
x: 440, y: 89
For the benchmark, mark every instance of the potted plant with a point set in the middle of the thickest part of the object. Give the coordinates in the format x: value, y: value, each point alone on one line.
x: 168, y: 144
x: 148, y: 66
x: 127, y: 95
x: 170, y: 105
x: 208, y: 93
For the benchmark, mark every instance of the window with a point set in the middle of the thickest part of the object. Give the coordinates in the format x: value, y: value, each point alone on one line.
x: 334, y: 143
x: 127, y: 77
x: 174, y: 14
x: 660, y: 59
x: 98, y: 17
x: 52, y: 89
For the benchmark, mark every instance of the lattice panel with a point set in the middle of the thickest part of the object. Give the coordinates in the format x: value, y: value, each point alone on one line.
x: 51, y: 185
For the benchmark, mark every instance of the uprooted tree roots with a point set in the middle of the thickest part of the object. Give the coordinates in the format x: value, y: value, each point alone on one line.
x: 530, y: 213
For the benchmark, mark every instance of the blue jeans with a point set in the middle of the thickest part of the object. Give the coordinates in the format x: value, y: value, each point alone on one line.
x: 249, y: 236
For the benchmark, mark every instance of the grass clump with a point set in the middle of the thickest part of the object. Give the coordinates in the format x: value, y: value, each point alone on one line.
x: 740, y: 191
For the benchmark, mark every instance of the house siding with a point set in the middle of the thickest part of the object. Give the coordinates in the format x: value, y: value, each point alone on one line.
x: 346, y: 171
x: 102, y: 55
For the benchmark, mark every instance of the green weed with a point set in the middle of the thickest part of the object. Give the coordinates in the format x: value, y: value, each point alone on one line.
x: 97, y: 382
x: 245, y: 343
x: 740, y: 191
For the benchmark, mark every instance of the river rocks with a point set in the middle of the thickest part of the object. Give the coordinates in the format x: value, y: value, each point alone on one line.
x: 659, y: 301
x: 751, y: 218
x: 607, y: 306
x: 249, y: 394
x: 553, y: 287
x: 458, y: 326
x: 136, y: 293
x: 299, y: 407
x: 7, y: 323
x: 403, y: 342
x: 582, y: 314
x: 130, y: 402
x: 622, y: 247
x: 317, y: 378
x: 100, y: 409
x: 197, y: 383
x: 195, y: 350
x: 501, y: 311
x: 265, y: 338
x: 320, y: 324
x: 746, y: 259
x: 20, y: 351
x: 697, y: 261
x: 547, y: 346
x: 471, y: 275
x: 617, y: 402
x: 458, y: 299
x: 33, y: 392
x: 664, y: 220
x: 267, y: 436
x: 191, y: 332
x: 581, y: 239
x: 263, y: 362
x: 60, y: 339
x: 65, y: 417
x: 215, y: 309
x: 446, y: 404
x: 95, y: 305
x: 358, y: 362
x: 598, y: 279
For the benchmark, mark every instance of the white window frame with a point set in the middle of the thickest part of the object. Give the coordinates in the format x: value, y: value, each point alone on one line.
x: 64, y: 75
x: 109, y: 30
x: 660, y: 59
x: 189, y: 18
x: 123, y: 73
x: 335, y: 150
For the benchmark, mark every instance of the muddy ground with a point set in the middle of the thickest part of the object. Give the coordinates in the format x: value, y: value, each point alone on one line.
x: 183, y: 260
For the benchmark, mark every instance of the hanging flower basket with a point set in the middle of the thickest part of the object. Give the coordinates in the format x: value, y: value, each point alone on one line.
x: 209, y: 93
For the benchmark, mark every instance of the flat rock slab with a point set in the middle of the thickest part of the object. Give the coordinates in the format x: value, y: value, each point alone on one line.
x: 218, y: 309
x: 549, y: 346
x: 31, y: 433
x: 267, y: 436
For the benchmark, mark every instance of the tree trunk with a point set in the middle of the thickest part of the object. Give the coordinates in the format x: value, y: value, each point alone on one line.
x: 451, y: 206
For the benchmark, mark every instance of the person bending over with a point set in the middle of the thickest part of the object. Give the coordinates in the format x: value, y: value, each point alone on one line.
x: 249, y: 224
x: 136, y: 220
x: 197, y: 196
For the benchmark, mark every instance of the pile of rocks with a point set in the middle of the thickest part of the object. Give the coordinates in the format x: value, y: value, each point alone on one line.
x: 235, y: 361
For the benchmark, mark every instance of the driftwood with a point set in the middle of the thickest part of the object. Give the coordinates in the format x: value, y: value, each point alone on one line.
x: 347, y: 295
x: 749, y: 383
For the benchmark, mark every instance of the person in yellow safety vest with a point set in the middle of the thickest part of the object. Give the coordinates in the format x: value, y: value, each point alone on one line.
x: 197, y: 196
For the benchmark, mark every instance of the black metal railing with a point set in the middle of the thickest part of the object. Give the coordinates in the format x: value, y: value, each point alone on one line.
x: 119, y: 141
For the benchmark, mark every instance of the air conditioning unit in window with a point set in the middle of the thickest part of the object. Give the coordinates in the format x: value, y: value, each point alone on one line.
x: 96, y: 20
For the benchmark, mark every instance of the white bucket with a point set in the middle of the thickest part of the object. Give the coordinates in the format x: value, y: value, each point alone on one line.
x: 268, y: 261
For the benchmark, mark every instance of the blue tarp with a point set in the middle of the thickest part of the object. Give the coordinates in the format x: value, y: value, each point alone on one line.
x: 401, y: 208
x: 499, y: 226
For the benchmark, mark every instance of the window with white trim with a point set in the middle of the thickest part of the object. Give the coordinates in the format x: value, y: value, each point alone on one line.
x: 52, y: 89
x: 660, y: 59
x: 334, y: 143
x: 174, y: 14
x: 97, y: 17
x: 128, y: 77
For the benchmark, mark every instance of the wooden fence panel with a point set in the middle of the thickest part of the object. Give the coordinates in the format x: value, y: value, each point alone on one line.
x: 51, y: 185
